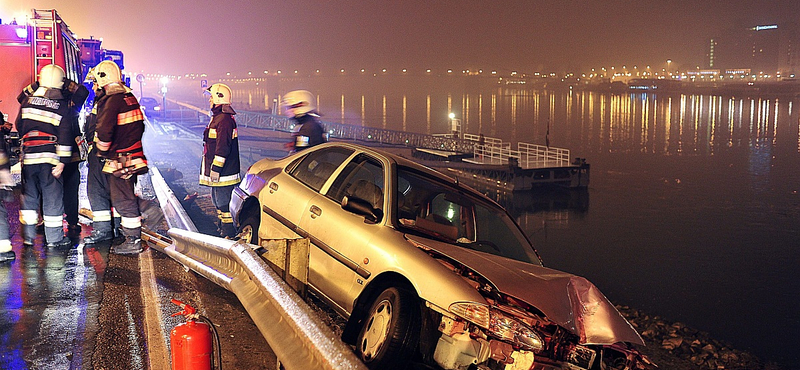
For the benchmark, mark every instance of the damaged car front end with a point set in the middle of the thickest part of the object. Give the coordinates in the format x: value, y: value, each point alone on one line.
x: 545, y: 319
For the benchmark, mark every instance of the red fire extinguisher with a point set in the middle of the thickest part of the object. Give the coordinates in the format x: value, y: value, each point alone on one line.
x: 192, y: 342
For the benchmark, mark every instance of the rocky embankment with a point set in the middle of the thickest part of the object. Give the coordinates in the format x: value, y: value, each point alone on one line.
x: 675, y: 346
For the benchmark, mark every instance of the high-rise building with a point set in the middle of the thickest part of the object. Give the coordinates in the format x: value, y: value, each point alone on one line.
x: 764, y: 49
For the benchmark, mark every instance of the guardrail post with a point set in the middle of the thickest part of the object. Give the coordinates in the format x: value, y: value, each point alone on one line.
x: 289, y: 258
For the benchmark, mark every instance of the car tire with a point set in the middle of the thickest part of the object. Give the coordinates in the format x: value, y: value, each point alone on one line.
x: 390, y: 334
x: 248, y: 228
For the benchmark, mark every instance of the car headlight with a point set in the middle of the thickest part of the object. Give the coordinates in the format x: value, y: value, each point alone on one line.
x: 499, y: 324
x: 475, y: 313
x: 156, y: 108
x: 508, y: 328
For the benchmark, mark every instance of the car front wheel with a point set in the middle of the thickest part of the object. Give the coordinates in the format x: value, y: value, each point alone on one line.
x: 390, y: 333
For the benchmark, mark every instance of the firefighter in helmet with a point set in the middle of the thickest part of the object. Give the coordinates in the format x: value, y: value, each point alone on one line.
x: 104, y: 227
x: 220, y: 164
x: 299, y: 106
x: 75, y: 94
x: 118, y: 139
x: 44, y: 127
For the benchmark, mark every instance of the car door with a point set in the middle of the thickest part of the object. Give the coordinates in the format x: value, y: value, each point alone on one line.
x: 342, y: 236
x: 287, y: 195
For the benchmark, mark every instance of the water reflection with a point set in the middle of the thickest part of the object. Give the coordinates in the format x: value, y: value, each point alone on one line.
x: 585, y: 121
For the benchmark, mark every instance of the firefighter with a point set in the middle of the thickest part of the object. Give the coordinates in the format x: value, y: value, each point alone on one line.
x: 220, y: 165
x: 104, y: 227
x: 299, y: 105
x: 76, y: 95
x: 44, y: 127
x: 118, y: 138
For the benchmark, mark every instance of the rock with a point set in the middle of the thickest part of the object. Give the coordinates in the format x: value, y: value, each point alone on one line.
x: 671, y: 343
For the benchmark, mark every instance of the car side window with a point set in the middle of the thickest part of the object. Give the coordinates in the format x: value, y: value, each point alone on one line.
x: 361, y: 178
x: 315, y: 168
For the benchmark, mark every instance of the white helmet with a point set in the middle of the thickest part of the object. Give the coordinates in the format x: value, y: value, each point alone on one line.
x: 51, y: 76
x: 220, y: 94
x: 298, y: 102
x: 107, y: 72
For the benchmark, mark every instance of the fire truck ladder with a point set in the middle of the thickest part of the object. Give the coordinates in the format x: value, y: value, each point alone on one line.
x: 45, y: 38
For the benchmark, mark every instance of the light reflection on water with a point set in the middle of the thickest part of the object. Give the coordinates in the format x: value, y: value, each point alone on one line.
x: 693, y: 211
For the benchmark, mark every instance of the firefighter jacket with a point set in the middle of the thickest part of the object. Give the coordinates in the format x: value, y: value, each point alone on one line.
x: 75, y: 94
x: 118, y: 132
x: 45, y: 130
x: 221, y: 148
x: 308, y: 132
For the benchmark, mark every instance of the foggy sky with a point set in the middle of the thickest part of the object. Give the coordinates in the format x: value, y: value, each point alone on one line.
x: 205, y: 36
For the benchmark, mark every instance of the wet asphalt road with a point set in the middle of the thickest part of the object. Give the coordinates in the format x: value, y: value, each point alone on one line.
x: 83, y: 308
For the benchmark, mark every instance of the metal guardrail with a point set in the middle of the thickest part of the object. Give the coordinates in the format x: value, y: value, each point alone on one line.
x: 293, y: 331
x: 368, y: 134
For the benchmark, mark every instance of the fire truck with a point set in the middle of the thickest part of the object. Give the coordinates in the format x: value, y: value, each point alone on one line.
x: 25, y: 48
x: 44, y: 39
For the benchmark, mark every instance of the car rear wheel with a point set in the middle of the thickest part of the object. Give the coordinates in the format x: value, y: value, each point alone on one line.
x: 248, y: 229
x: 390, y: 333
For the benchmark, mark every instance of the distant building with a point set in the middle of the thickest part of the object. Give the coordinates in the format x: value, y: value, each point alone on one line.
x: 764, y: 49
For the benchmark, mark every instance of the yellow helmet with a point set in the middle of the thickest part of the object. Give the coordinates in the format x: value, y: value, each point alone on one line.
x: 298, y: 102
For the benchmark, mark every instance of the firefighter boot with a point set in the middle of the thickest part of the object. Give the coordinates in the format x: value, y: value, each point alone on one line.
x: 132, y: 243
x: 28, y: 234
x: 63, y: 243
x: 7, y: 256
x: 98, y: 236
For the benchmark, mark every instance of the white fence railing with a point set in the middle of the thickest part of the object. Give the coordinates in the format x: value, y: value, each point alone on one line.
x: 527, y: 155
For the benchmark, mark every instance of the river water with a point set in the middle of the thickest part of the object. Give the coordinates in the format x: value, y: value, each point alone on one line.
x: 693, y: 210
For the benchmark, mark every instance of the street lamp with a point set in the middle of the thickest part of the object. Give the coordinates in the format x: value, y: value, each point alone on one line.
x: 455, y: 125
x: 164, y: 81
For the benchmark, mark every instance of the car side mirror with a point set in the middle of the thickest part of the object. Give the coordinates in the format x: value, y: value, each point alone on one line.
x: 362, y: 208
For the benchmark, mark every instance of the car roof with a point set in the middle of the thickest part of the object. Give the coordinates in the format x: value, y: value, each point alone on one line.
x: 405, y: 162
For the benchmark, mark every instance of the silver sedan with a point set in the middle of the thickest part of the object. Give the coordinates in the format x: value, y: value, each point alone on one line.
x: 426, y: 269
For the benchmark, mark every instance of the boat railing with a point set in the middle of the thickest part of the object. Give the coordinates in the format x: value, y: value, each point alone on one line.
x: 527, y: 156
x: 538, y: 156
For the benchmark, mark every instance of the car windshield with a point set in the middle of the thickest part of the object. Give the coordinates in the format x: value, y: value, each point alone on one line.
x: 428, y: 207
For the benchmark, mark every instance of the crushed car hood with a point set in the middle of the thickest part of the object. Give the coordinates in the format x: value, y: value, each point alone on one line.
x: 568, y: 300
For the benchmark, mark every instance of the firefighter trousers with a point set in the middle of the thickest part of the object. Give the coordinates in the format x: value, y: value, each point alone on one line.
x: 126, y: 203
x: 221, y: 197
x: 98, y: 192
x: 72, y: 181
x: 39, y: 185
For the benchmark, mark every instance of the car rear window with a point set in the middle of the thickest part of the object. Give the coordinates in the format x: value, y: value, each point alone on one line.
x: 316, y: 167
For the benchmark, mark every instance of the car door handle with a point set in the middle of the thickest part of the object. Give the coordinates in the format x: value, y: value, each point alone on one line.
x: 273, y: 187
x: 315, y: 211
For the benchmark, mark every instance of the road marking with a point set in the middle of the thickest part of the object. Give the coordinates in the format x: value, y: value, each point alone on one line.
x: 152, y: 313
